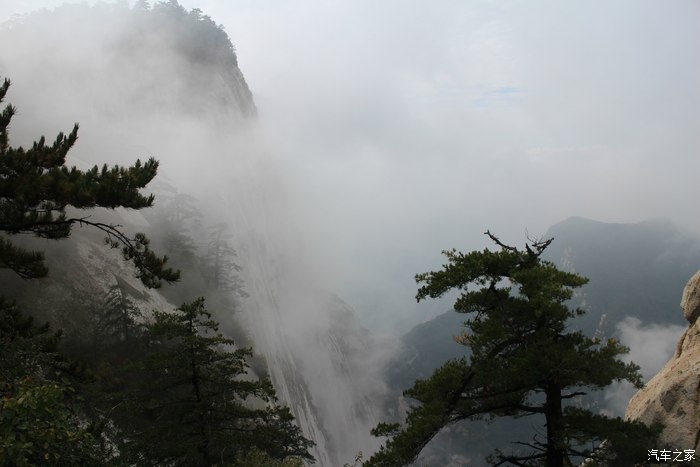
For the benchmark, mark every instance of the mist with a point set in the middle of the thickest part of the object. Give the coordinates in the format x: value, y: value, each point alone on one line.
x: 388, y: 132
x: 402, y: 130
x: 147, y: 102
x: 651, y: 346
x: 429, y: 125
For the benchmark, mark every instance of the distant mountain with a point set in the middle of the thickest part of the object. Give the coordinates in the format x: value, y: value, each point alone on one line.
x: 424, y: 348
x: 635, y: 270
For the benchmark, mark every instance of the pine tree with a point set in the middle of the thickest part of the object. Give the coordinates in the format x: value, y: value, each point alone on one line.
x: 26, y: 349
x: 221, y: 269
x: 39, y: 420
x: 172, y: 220
x: 198, y: 406
x: 36, y: 188
x: 43, y: 422
x: 115, y: 323
x: 525, y: 361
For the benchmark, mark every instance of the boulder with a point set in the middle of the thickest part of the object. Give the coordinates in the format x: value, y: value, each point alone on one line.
x: 672, y: 397
x: 690, y: 302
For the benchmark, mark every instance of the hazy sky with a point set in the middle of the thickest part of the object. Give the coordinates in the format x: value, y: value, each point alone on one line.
x: 409, y: 127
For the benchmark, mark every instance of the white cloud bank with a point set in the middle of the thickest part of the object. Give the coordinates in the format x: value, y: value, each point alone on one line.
x: 651, y: 346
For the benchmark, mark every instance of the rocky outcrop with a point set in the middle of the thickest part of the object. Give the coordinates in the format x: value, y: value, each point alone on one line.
x: 672, y: 397
x: 691, y: 299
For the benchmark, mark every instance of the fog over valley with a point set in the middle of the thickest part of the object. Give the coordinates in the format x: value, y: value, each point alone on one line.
x: 404, y: 129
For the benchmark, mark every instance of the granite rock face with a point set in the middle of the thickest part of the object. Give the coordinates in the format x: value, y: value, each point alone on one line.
x: 672, y: 397
x: 690, y: 303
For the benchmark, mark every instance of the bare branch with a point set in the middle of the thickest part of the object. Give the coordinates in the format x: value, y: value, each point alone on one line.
x: 520, y: 461
x: 536, y: 447
x: 574, y: 394
x: 498, y: 242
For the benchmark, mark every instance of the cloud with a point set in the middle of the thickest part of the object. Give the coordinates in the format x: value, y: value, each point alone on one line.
x: 406, y: 128
x: 651, y: 346
x: 411, y: 128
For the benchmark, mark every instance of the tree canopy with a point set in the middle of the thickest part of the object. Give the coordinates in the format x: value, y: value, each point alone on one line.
x: 193, y: 402
x: 36, y: 188
x: 39, y: 421
x: 525, y: 361
x: 166, y: 389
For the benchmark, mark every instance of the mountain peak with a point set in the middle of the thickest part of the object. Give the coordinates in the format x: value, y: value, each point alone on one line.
x: 161, y: 59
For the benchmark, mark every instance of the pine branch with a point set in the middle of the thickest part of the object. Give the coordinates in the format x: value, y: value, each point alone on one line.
x: 498, y: 242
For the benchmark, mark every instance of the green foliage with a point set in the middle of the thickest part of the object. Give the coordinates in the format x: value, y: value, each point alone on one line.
x: 194, y: 403
x: 229, y: 410
x: 624, y: 441
x: 38, y: 421
x: 524, y: 362
x: 26, y: 349
x: 358, y: 460
x: 254, y: 457
x: 174, y: 223
x: 114, y: 326
x: 37, y: 427
x: 36, y: 188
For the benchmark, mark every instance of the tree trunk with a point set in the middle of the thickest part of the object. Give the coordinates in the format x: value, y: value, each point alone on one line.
x: 203, y: 448
x: 555, y: 426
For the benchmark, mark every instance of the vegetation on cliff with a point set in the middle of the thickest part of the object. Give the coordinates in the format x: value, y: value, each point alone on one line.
x: 160, y: 390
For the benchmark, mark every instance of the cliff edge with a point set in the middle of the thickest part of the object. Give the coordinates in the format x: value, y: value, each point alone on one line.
x: 672, y: 397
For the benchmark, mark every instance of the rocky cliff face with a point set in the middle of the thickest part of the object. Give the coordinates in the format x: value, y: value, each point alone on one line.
x: 126, y: 62
x: 672, y: 397
x: 83, y: 271
x: 165, y: 83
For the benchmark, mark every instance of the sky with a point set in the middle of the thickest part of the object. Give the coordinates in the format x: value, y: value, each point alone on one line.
x: 405, y: 127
